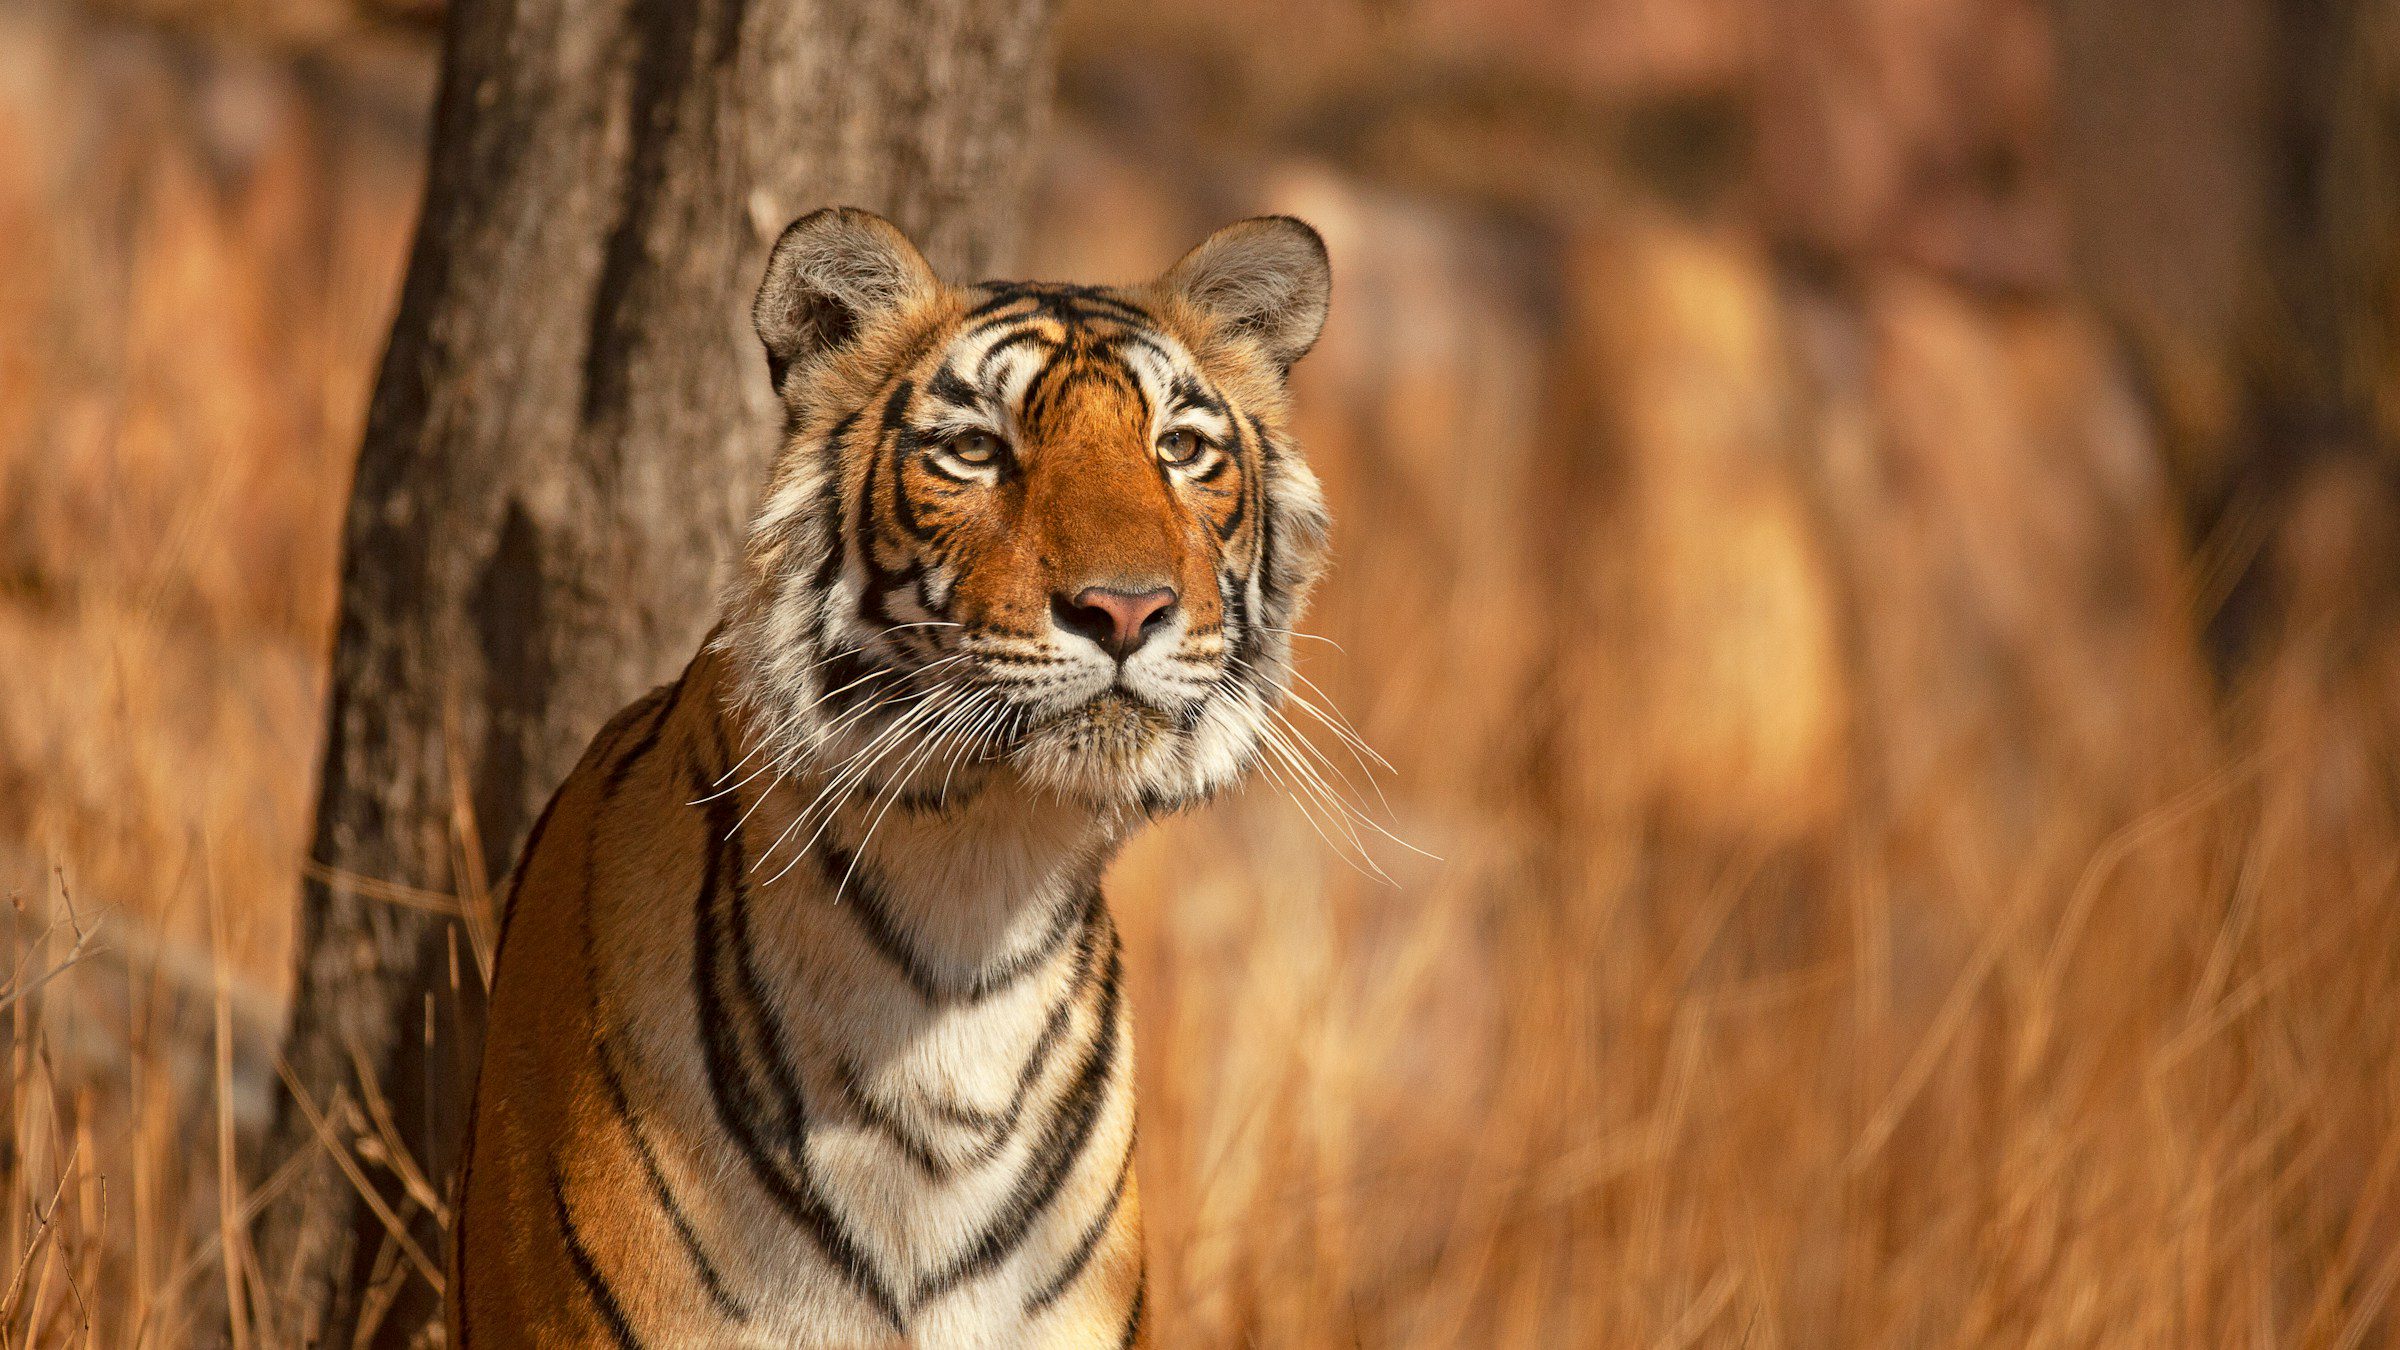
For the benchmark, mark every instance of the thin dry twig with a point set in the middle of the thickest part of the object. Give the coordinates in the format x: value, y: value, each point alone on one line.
x: 392, y: 1223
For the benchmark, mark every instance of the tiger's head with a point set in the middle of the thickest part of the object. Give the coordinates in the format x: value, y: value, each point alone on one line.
x: 1056, y: 531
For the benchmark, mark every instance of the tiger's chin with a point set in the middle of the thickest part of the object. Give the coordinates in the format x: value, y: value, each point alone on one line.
x: 1113, y: 751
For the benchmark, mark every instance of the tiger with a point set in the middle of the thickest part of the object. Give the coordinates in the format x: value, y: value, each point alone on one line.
x: 808, y: 1022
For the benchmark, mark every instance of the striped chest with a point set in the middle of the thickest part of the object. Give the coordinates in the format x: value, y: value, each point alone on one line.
x: 887, y: 1091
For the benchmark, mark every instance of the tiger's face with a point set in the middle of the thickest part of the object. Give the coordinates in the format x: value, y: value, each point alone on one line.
x: 1051, y: 531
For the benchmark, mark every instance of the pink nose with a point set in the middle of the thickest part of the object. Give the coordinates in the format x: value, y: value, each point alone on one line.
x: 1120, y: 621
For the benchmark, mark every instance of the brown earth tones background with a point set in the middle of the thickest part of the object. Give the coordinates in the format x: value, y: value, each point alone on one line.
x: 1869, y: 535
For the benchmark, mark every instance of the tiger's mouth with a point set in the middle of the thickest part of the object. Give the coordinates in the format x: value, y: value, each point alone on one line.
x: 1103, y: 748
x: 1115, y: 720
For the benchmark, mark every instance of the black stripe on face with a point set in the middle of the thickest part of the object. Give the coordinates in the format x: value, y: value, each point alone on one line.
x: 1003, y: 295
x: 903, y: 441
x: 1187, y: 392
x: 1241, y: 499
x: 1064, y: 363
x: 829, y: 508
x: 1093, y: 300
x: 1023, y: 337
x: 1238, y: 619
x: 1219, y: 458
x: 1067, y: 304
x: 595, y: 1286
x: 881, y: 581
x: 1119, y: 341
x: 774, y: 1148
x: 953, y: 795
x: 1075, y: 1116
x: 1080, y: 361
x: 1262, y: 564
x: 1268, y: 586
x: 952, y: 391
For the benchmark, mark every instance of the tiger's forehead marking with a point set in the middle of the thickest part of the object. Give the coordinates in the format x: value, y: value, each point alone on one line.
x: 1025, y: 348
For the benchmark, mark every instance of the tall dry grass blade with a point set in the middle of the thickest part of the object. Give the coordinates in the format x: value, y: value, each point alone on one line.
x: 396, y: 1154
x: 466, y: 847
x: 45, y: 1217
x: 1702, y: 1313
x: 253, y: 1205
x: 393, y: 1224
x: 389, y: 892
x: 229, y: 1232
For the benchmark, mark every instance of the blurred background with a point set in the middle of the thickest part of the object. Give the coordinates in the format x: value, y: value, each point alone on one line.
x: 1869, y: 533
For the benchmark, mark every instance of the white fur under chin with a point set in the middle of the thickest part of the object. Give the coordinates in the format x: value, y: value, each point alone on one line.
x: 1121, y: 753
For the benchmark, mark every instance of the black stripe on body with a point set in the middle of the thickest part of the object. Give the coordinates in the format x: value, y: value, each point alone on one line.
x: 651, y: 734
x: 587, y: 1271
x: 856, y: 891
x: 774, y: 1149
x: 659, y: 702
x: 996, y: 1127
x: 864, y: 1105
x: 1070, y: 1130
x: 1003, y: 1124
x: 1133, y: 1317
x: 712, y: 1281
x: 1088, y: 1244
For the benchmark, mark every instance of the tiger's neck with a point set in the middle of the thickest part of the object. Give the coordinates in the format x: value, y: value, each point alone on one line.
x: 960, y: 878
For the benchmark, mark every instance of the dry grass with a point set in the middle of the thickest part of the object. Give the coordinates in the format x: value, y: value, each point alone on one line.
x: 1860, y: 917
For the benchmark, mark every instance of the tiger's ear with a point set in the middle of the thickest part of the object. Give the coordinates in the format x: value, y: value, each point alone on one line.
x: 834, y: 274
x: 1267, y: 279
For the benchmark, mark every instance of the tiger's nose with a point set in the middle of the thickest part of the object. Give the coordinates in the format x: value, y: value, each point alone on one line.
x: 1120, y: 621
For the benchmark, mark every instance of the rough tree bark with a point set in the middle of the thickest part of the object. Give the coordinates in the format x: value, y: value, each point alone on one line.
x: 568, y: 428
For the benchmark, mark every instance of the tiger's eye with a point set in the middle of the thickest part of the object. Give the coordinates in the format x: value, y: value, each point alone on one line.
x: 977, y: 449
x: 1180, y: 447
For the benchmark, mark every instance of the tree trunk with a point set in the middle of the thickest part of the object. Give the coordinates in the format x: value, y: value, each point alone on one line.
x: 565, y: 438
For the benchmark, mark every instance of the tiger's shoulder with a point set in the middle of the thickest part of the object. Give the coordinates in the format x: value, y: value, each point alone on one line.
x: 544, y: 1090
